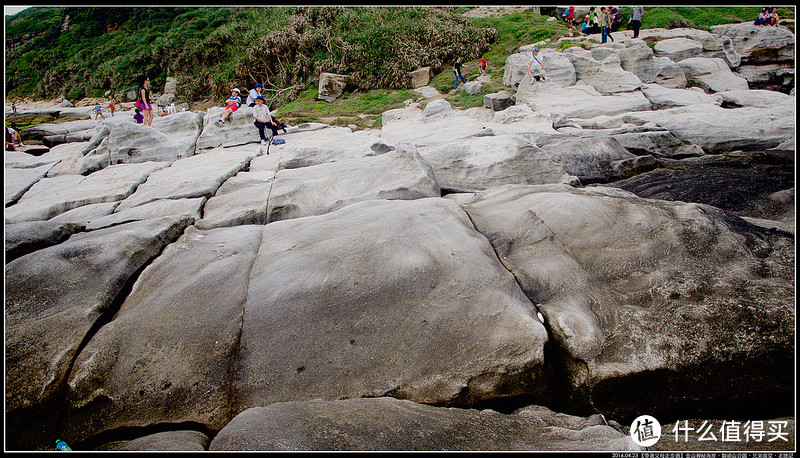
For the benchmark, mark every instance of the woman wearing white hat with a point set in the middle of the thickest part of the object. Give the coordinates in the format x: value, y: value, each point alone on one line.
x: 232, y: 104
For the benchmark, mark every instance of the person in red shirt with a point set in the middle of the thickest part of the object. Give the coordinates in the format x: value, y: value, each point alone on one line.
x: 571, y: 17
x: 482, y: 62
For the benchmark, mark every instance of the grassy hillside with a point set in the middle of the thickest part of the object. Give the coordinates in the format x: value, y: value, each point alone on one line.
x: 80, y: 52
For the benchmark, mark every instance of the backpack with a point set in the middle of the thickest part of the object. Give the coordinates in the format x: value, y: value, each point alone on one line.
x: 565, y: 13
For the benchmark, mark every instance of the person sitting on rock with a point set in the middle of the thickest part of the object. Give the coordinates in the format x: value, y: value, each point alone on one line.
x: 254, y: 94
x: 773, y: 17
x: 263, y: 119
x: 138, y: 116
x: 535, y: 67
x: 232, y: 104
x: 763, y: 18
x: 9, y: 140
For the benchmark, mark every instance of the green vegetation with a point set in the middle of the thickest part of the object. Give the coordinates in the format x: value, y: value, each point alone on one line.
x: 77, y: 51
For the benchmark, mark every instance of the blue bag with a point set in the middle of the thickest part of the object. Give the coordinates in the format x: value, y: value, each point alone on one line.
x: 278, y: 141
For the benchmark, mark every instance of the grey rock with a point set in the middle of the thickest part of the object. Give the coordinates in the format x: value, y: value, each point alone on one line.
x: 678, y: 49
x: 18, y: 181
x: 570, y: 250
x: 420, y: 77
x: 170, y: 85
x: 428, y: 92
x: 332, y: 85
x: 43, y: 306
x: 196, y: 176
x: 499, y: 101
x: 558, y: 68
x: 52, y: 196
x: 190, y: 301
x: 165, y: 100
x: 85, y: 213
x: 607, y: 76
x: 579, y: 101
x: 392, y: 424
x: 589, y: 159
x: 25, y: 238
x: 168, y: 441
x: 473, y: 88
x: 399, y: 174
x: 712, y: 74
x: 661, y: 97
x: 190, y: 208
x: 413, y: 254
x: 329, y: 145
x: 242, y: 199
x: 759, y: 44
x: 756, y: 98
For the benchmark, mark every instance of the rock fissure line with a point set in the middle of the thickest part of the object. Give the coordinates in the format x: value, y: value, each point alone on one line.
x: 106, y: 317
x: 237, y: 357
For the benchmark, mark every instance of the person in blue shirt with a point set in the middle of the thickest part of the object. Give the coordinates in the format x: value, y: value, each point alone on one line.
x: 232, y: 104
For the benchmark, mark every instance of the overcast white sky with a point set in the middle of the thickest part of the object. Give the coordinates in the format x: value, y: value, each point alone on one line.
x: 12, y: 10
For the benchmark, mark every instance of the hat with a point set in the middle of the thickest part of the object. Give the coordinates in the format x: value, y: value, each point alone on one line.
x: 236, y: 89
x: 261, y: 98
x: 257, y: 85
x: 534, y: 49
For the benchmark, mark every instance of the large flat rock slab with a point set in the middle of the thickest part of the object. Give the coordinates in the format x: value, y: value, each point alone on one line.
x: 764, y: 45
x: 24, y: 238
x: 18, y: 181
x: 168, y: 441
x: 648, y: 296
x: 332, y: 317
x: 52, y: 196
x: 55, y: 297
x: 712, y: 74
x: 399, y: 174
x: 169, y: 355
x: 196, y: 176
x: 387, y: 424
x: 191, y: 208
x: 242, y: 199
x: 578, y: 101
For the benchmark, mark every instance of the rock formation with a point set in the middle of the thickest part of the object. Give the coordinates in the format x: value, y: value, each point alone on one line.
x: 532, y: 274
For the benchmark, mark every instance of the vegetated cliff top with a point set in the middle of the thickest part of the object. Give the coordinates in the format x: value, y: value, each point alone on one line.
x: 80, y: 52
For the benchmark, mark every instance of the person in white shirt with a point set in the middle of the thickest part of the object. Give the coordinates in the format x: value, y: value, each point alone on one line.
x: 264, y: 119
x: 254, y: 93
x: 535, y: 68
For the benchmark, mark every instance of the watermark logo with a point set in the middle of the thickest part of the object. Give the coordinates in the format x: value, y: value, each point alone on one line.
x: 645, y: 430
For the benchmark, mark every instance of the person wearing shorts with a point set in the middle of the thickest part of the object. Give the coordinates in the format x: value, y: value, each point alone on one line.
x: 144, y: 104
x: 231, y: 104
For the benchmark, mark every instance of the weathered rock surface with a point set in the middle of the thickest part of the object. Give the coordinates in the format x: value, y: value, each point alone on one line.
x: 170, y: 441
x: 196, y: 176
x: 759, y: 44
x: 661, y: 97
x: 331, y: 86
x: 56, y: 297
x: 578, y: 101
x: 623, y: 314
x: 712, y: 74
x: 392, y: 424
x: 398, y: 174
x: 190, y: 208
x: 194, y: 322
x: 557, y: 66
x: 428, y: 274
x: 499, y: 101
x: 756, y: 98
x: 52, y: 196
x: 678, y: 49
x: 18, y: 181
x: 241, y: 200
x: 85, y: 213
x: 419, y: 77
x: 606, y: 75
x: 25, y: 238
x: 590, y: 159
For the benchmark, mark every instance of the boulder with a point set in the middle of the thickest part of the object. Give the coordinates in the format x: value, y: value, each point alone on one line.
x: 428, y: 274
x: 170, y: 85
x: 25, y: 238
x: 678, y: 49
x: 60, y: 130
x: 717, y: 129
x: 52, y: 196
x: 58, y: 297
x: 420, y: 77
x: 588, y: 158
x: 242, y: 199
x: 499, y: 101
x: 755, y: 98
x: 428, y: 92
x: 712, y: 74
x: 196, y: 176
x: 329, y: 145
x: 473, y: 88
x: 332, y: 85
x: 765, y: 45
x: 661, y: 97
x: 558, y: 68
x: 579, y: 101
x: 393, y: 424
x: 647, y: 141
x: 629, y: 298
x: 168, y: 441
x: 23, y: 160
x: 189, y: 303
x: 607, y: 76
x: 398, y: 174
x: 775, y: 77
x: 165, y: 99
